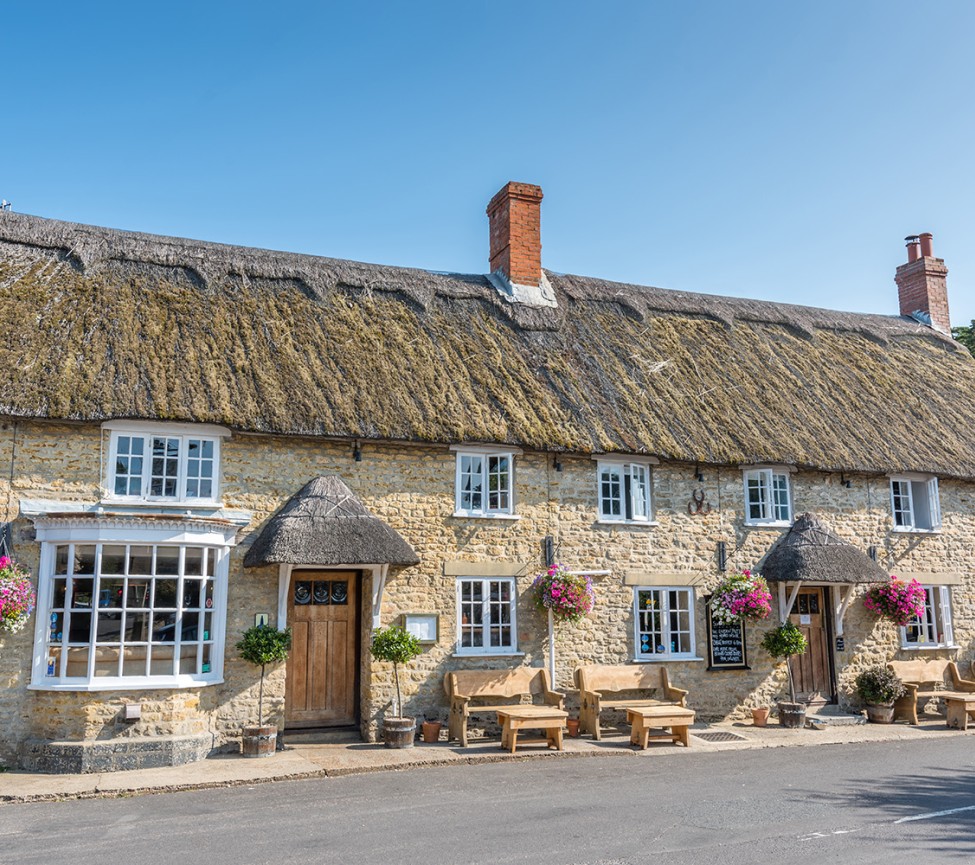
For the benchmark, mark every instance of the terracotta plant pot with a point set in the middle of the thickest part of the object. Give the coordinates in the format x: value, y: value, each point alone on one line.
x: 399, y: 732
x: 431, y: 731
x: 259, y: 741
x: 760, y: 716
x: 573, y: 727
x: 792, y: 715
x: 880, y: 714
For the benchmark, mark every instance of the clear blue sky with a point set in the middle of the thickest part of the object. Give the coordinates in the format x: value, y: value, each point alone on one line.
x: 778, y: 150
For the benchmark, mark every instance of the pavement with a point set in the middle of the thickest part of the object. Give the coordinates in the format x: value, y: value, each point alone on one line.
x: 332, y: 755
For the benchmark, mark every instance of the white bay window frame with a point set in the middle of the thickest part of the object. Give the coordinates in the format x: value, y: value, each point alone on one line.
x: 624, y: 490
x: 490, y: 613
x: 768, y: 495
x: 131, y: 457
x: 484, y: 482
x: 669, y: 638
x: 194, y: 659
x: 915, y: 503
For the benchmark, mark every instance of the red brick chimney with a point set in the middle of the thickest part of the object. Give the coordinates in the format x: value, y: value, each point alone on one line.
x: 922, y: 283
x: 514, y: 215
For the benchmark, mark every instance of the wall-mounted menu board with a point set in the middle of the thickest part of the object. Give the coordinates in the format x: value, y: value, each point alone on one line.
x: 726, y: 645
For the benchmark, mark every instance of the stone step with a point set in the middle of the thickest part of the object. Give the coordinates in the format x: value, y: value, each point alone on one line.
x: 834, y: 718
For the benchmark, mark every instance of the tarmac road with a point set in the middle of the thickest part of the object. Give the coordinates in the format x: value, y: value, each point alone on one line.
x: 890, y: 802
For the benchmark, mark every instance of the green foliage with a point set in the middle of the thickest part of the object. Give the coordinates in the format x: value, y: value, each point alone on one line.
x: 395, y: 645
x: 879, y: 685
x: 966, y: 336
x: 783, y: 641
x: 263, y: 644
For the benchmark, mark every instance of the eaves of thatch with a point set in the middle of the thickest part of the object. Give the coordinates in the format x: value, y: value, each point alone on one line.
x: 100, y: 324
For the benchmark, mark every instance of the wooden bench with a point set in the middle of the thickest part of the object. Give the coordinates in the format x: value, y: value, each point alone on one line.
x: 924, y: 680
x: 596, y: 681
x: 673, y: 718
x: 511, y: 686
x: 546, y: 718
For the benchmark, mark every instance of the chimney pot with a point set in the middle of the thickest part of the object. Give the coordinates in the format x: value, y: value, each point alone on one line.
x: 913, y: 247
x: 926, y: 246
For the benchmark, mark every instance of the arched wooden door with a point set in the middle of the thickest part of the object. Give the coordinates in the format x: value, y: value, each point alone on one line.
x: 322, y: 668
x: 812, y: 670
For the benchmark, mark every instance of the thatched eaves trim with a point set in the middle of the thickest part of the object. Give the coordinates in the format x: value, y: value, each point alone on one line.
x: 325, y: 524
x: 811, y: 552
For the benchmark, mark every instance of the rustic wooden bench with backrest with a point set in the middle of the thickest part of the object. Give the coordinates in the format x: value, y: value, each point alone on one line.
x: 925, y: 679
x: 501, y: 689
x: 601, y: 686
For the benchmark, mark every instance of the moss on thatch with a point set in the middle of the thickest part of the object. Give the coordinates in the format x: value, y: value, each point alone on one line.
x: 99, y: 324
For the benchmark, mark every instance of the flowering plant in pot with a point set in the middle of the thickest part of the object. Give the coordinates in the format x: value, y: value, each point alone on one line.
x: 741, y: 596
x: 262, y: 645
x: 897, y: 601
x: 783, y: 642
x: 879, y: 687
x: 569, y: 597
x: 17, y: 596
x: 397, y: 646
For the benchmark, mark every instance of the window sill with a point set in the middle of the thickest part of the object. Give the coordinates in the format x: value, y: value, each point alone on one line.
x: 631, y: 523
x: 466, y: 516
x: 910, y: 530
x: 488, y: 655
x: 778, y: 524
x: 930, y: 647
x: 663, y: 659
x: 170, y: 683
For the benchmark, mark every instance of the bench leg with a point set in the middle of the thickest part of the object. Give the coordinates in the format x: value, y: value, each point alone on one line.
x: 682, y: 735
x: 957, y: 716
x: 639, y: 734
x: 554, y: 737
x: 512, y: 739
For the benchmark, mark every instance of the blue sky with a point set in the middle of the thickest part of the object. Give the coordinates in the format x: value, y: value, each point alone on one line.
x: 762, y: 149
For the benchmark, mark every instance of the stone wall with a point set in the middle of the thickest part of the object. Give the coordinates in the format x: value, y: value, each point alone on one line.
x: 412, y: 488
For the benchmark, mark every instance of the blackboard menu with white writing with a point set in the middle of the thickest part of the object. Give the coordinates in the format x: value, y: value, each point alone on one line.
x: 726, y: 645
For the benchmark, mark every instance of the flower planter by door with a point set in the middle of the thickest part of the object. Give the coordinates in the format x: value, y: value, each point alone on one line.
x: 431, y: 731
x: 259, y: 741
x: 792, y: 715
x: 880, y: 714
x: 399, y: 732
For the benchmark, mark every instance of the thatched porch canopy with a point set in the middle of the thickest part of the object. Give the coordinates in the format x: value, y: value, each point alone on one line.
x: 811, y: 552
x: 325, y: 524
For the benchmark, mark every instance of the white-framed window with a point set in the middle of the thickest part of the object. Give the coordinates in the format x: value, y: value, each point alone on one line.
x: 624, y: 492
x: 932, y: 629
x: 915, y: 504
x: 486, y: 620
x: 664, y: 622
x: 114, y: 612
x: 768, y: 498
x: 163, y: 464
x: 484, y: 483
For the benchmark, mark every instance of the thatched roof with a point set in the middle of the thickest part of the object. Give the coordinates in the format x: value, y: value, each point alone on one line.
x: 811, y: 551
x: 325, y: 524
x: 98, y: 324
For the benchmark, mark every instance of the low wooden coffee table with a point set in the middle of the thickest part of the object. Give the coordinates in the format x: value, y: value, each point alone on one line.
x: 959, y: 706
x: 644, y: 718
x: 546, y: 718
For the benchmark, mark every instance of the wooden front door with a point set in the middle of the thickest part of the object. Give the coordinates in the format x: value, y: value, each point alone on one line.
x: 322, y: 667
x: 812, y: 670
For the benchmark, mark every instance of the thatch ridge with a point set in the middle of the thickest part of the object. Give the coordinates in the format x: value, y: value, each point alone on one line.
x: 100, y: 323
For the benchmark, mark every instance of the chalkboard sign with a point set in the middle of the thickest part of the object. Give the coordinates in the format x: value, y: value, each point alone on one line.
x: 726, y: 645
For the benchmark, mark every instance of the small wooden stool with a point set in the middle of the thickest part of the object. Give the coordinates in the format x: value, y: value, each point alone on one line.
x: 959, y: 706
x: 547, y: 718
x: 642, y: 718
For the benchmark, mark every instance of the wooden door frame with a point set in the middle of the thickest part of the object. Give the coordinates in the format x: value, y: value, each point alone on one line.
x: 284, y: 606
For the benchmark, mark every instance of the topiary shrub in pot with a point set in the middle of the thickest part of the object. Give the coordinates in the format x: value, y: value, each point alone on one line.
x: 879, y: 687
x: 262, y: 645
x: 783, y: 642
x: 396, y: 646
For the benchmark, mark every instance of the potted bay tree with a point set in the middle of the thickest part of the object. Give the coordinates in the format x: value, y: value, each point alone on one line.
x: 783, y: 642
x: 262, y: 645
x: 397, y: 646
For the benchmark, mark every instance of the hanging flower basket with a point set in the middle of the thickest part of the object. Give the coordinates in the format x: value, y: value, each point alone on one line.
x: 741, y: 596
x: 897, y: 601
x: 17, y: 597
x: 570, y: 597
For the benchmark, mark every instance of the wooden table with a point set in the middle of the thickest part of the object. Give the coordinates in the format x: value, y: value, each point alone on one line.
x: 959, y: 706
x: 643, y: 718
x: 547, y: 718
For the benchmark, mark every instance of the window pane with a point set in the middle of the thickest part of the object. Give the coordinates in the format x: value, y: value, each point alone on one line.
x: 140, y: 560
x: 77, y: 666
x: 164, y: 467
x: 161, y: 661
x: 191, y: 594
x: 193, y: 562
x: 780, y: 491
x: 757, y: 496
x: 164, y: 627
x: 471, y: 483
x: 61, y: 559
x: 136, y: 628
x: 113, y: 560
x: 81, y: 591
x: 109, y: 629
x: 106, y: 660
x: 166, y: 594
x: 137, y: 594
x: 610, y: 488
x: 167, y: 560
x: 84, y: 559
x: 79, y: 627
x: 498, y: 483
